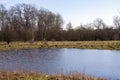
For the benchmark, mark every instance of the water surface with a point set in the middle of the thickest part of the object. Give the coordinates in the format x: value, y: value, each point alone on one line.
x: 98, y: 63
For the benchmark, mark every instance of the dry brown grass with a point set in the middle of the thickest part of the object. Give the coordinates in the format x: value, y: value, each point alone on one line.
x: 35, y: 76
x: 114, y: 45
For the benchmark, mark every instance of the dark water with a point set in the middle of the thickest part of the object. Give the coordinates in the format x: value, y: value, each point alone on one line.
x: 99, y: 63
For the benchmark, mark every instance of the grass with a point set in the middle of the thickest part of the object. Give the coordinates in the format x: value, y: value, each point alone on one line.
x: 36, y: 76
x: 112, y: 45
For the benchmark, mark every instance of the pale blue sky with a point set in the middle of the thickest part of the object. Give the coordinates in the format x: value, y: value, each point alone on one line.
x: 76, y: 11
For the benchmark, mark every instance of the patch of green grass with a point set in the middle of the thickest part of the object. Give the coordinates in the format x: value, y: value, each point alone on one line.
x: 114, y: 45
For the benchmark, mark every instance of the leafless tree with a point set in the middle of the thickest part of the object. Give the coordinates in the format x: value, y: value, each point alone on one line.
x: 116, y: 21
x: 99, y: 24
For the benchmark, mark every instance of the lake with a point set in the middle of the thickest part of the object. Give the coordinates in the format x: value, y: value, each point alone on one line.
x: 98, y: 63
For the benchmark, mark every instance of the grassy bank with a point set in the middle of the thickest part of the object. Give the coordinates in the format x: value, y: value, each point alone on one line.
x: 114, y: 45
x: 35, y: 76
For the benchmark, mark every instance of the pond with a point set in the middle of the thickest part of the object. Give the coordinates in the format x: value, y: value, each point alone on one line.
x: 98, y: 63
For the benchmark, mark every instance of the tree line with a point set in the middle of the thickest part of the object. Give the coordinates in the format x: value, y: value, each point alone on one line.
x: 24, y: 22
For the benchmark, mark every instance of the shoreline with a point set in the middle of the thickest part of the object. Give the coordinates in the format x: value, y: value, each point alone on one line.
x: 100, y: 45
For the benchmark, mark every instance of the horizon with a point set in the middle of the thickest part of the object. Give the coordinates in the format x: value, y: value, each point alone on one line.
x: 78, y: 11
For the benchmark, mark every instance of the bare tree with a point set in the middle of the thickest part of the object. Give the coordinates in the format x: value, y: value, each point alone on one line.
x: 3, y: 15
x: 69, y: 26
x: 5, y: 25
x: 29, y: 14
x: 45, y: 21
x: 116, y: 21
x: 55, y: 29
x: 99, y: 24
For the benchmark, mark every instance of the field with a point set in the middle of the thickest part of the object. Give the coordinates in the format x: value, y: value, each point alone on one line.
x: 111, y: 45
x: 35, y: 76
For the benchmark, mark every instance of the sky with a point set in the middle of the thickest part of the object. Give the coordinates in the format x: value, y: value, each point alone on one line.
x: 76, y: 11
